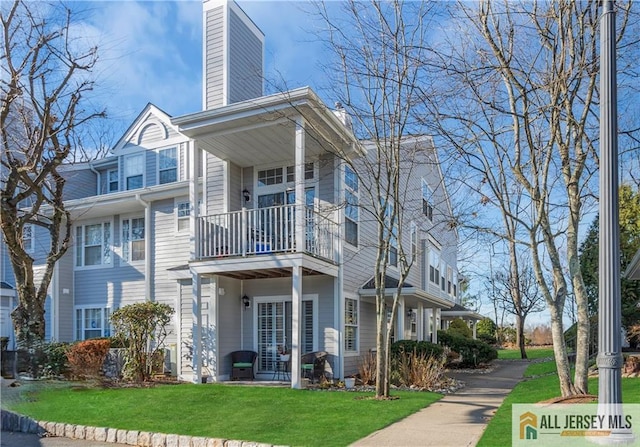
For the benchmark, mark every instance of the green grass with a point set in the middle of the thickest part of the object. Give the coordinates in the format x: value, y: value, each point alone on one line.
x: 532, y: 353
x: 262, y: 414
x: 498, y: 432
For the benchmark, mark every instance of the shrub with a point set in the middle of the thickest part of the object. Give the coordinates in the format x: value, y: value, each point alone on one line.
x: 87, y: 357
x: 367, y: 368
x: 486, y: 328
x: 488, y: 339
x: 417, y: 370
x: 473, y: 352
x: 55, y: 359
x: 419, y: 347
x: 460, y: 327
x: 143, y: 329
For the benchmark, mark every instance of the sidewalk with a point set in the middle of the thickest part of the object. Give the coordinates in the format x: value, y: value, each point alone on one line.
x: 458, y: 419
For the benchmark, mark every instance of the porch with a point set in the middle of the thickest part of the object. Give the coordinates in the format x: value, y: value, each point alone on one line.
x: 262, y: 231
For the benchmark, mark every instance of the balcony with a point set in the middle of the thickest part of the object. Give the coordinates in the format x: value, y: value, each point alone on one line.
x: 265, y: 231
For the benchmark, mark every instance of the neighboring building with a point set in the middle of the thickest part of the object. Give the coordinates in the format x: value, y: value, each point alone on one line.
x: 234, y: 216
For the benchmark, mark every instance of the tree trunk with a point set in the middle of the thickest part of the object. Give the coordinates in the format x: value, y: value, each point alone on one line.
x: 560, y: 351
x: 520, y: 335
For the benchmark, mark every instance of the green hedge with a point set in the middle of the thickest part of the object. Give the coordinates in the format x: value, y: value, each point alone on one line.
x: 473, y: 352
x: 420, y: 347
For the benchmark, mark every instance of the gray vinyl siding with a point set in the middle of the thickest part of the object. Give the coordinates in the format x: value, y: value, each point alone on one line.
x: 65, y: 294
x: 245, y: 61
x: 367, y: 335
x: 214, y: 58
x: 80, y: 183
x: 215, y: 185
x: 230, y: 312
x: 151, y: 168
x: 247, y: 179
x: 326, y: 182
x: 236, y: 201
x: 186, y: 327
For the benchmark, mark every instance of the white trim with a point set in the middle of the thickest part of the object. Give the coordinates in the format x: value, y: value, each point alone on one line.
x: 356, y: 298
x: 83, y: 224
x: 83, y: 307
x: 177, y: 168
x: 176, y: 214
x: 137, y: 153
x: 130, y: 217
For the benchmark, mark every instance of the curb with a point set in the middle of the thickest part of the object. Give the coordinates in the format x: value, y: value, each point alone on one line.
x: 15, y: 422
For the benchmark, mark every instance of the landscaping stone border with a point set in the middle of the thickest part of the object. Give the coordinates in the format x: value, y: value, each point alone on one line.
x: 15, y: 422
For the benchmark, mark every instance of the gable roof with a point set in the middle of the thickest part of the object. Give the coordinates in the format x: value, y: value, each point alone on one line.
x: 389, y: 282
x: 150, y: 115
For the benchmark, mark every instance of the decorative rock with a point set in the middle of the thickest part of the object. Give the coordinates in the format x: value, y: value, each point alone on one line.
x: 132, y: 437
x: 69, y: 430
x: 89, y: 433
x: 111, y: 435
x: 59, y: 430
x: 173, y: 441
x: 80, y: 432
x: 216, y: 442
x: 197, y: 441
x: 100, y: 434
x: 121, y: 436
x: 51, y: 428
x: 144, y: 439
x: 232, y: 443
x: 158, y: 440
x: 184, y: 441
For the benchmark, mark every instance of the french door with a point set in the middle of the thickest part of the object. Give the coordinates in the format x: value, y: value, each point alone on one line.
x: 274, y: 331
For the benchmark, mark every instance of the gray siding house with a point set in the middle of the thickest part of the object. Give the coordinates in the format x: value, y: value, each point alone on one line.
x: 234, y: 217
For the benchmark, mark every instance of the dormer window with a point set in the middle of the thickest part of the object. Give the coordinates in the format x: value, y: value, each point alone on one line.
x: 167, y: 165
x: 134, y: 171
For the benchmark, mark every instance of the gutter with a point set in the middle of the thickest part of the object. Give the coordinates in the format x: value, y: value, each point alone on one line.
x: 147, y: 247
x: 97, y: 178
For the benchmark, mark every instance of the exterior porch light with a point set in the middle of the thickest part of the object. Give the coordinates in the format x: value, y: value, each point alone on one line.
x: 409, y: 312
x: 246, y: 301
x: 246, y: 194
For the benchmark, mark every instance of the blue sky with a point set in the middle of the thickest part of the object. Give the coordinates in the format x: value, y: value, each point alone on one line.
x: 151, y: 51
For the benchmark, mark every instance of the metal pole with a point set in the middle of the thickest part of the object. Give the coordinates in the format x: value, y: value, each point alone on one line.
x: 609, y: 315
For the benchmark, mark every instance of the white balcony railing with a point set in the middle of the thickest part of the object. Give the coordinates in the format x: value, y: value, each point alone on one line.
x: 264, y: 231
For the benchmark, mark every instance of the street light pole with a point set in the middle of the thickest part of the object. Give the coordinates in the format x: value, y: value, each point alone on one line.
x: 609, y: 316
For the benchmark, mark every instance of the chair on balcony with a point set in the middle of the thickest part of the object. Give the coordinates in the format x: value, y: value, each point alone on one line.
x: 313, y: 365
x: 242, y: 363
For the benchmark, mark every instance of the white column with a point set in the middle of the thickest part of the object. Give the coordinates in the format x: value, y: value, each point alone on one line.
x: 434, y: 321
x: 214, y: 365
x: 299, y: 176
x: 400, y: 319
x: 196, y: 291
x: 194, y: 162
x: 296, y: 316
x: 475, y: 329
x: 420, y: 322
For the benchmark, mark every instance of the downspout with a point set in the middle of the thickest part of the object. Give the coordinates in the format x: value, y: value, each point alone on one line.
x: 97, y: 178
x: 147, y: 247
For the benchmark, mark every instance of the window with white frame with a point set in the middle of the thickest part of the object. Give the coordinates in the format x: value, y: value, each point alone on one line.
x: 92, y: 322
x: 268, y: 177
x: 183, y: 211
x: 434, y: 266
x: 28, y: 237
x: 443, y: 272
x: 350, y: 325
x: 93, y: 244
x: 134, y: 171
x: 455, y: 284
x: 167, y: 165
x: 393, y: 238
x: 112, y: 180
x: 133, y: 239
x: 352, y: 203
x: 449, y: 280
x: 427, y: 207
x: 414, y: 241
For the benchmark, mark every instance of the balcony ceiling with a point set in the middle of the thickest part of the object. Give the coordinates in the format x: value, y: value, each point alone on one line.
x: 262, y: 131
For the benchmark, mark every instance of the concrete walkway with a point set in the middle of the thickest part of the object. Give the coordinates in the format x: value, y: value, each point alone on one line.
x: 11, y: 439
x: 457, y: 419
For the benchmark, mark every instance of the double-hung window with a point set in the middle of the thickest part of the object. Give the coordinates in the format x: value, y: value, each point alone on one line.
x: 352, y: 203
x: 168, y: 165
x: 391, y: 228
x: 92, y: 322
x: 93, y: 244
x: 27, y: 238
x: 112, y: 180
x: 183, y: 211
x: 134, y: 171
x: 455, y: 285
x: 133, y: 239
x: 434, y: 266
x: 350, y: 325
x: 427, y: 207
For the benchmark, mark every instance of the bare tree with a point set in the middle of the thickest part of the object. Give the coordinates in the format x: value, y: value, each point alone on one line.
x: 518, y: 294
x: 521, y: 97
x: 376, y: 78
x: 44, y: 82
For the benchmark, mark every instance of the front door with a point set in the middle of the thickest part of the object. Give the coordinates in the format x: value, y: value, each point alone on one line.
x: 273, y: 327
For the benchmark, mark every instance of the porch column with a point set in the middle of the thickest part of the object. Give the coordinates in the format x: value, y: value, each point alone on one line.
x: 299, y: 175
x: 196, y: 288
x: 474, y: 324
x: 420, y: 322
x: 400, y: 319
x: 434, y: 321
x: 296, y: 316
x: 213, y: 353
x: 194, y: 238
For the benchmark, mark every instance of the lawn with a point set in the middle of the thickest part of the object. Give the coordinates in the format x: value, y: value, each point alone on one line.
x: 544, y: 387
x: 532, y: 353
x: 262, y: 414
